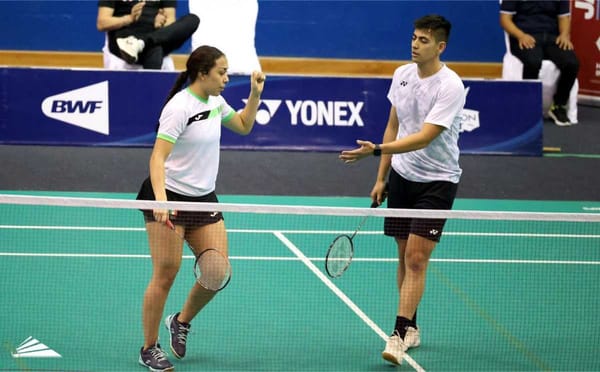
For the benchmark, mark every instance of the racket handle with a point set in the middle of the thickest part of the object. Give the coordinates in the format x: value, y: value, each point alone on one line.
x: 374, y: 204
x: 170, y: 224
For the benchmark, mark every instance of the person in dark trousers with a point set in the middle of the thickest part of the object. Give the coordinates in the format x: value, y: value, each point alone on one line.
x: 541, y: 30
x: 144, y: 32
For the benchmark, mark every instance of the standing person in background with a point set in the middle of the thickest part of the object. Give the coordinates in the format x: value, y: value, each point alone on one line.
x: 183, y: 167
x: 420, y: 145
x: 144, y: 32
x: 541, y: 30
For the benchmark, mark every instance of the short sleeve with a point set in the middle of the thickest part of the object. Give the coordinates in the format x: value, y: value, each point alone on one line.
x: 107, y: 4
x: 168, y: 4
x: 508, y: 6
x: 564, y: 8
x: 227, y: 112
x: 449, y: 103
x: 172, y: 122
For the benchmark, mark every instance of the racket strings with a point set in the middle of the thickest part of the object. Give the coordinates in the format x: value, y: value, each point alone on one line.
x: 339, y: 256
x: 212, y: 270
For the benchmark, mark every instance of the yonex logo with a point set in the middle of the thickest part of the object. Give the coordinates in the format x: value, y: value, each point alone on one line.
x: 314, y: 113
x: 33, y: 348
x: 433, y: 232
x: 404, y: 83
x: 85, y: 107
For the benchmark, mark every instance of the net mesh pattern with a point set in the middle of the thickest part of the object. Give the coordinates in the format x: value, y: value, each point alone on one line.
x: 505, y: 290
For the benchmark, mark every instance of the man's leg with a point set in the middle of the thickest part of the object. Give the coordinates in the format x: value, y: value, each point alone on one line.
x: 174, y: 35
x: 568, y: 64
x: 531, y: 58
x: 416, y: 259
x: 414, y: 255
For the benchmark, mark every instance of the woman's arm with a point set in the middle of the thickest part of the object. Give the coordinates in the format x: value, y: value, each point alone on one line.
x: 160, y: 152
x: 243, y: 122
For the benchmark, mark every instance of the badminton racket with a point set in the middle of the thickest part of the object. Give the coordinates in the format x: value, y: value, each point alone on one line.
x: 211, y: 267
x: 341, y: 250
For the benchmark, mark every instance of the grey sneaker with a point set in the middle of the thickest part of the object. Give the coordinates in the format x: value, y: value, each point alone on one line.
x: 178, y: 333
x: 559, y: 115
x: 130, y: 47
x: 155, y: 359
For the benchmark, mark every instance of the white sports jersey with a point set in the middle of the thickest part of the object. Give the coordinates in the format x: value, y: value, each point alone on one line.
x: 193, y: 125
x: 438, y: 99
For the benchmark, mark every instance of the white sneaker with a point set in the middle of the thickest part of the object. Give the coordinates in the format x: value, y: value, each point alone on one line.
x: 412, y: 337
x: 394, y: 349
x: 130, y: 47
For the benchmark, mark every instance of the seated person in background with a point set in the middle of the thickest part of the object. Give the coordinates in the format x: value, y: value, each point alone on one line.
x: 541, y: 30
x: 144, y: 32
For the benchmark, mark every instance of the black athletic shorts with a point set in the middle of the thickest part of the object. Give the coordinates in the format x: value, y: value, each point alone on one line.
x: 189, y: 219
x: 417, y: 195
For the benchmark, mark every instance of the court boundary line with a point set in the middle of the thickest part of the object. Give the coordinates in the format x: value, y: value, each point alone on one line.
x: 312, y: 259
x: 341, y: 295
x: 315, y: 232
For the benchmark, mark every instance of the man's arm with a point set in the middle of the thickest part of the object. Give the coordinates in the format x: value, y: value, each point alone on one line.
x: 412, y: 142
x: 526, y: 41
x: 564, y: 32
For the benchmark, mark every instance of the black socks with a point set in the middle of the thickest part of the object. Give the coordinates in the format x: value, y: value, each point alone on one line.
x: 402, y: 324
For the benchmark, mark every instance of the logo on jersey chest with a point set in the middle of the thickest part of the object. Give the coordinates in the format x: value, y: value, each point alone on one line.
x: 199, y: 117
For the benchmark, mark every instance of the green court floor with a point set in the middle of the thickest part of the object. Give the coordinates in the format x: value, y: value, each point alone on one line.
x: 500, y: 296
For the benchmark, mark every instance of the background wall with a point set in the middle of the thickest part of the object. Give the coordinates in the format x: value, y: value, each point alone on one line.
x: 359, y: 29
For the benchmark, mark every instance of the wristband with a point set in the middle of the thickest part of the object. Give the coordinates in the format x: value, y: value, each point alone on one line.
x: 377, y: 151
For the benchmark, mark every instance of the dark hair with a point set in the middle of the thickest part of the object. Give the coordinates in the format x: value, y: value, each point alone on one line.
x: 438, y: 25
x: 202, y: 60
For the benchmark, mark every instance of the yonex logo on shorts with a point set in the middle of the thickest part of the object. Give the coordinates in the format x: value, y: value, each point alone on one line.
x: 314, y: 113
x: 85, y: 107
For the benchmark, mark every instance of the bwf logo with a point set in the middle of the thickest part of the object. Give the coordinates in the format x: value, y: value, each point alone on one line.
x: 85, y: 107
x: 313, y: 113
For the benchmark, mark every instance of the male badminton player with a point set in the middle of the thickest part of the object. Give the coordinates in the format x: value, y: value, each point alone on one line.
x: 183, y: 167
x: 420, y: 145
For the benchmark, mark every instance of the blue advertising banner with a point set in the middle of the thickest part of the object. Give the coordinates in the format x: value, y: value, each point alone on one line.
x: 121, y: 108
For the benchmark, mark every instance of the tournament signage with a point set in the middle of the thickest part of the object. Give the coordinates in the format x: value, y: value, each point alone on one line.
x: 121, y: 108
x: 585, y: 34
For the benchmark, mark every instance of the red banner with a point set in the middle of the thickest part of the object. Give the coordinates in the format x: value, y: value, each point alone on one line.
x: 585, y: 34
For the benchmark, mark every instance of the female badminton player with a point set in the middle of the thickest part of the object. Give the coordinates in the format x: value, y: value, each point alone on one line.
x: 183, y: 167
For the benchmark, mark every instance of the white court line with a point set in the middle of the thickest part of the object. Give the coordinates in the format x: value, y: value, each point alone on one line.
x: 341, y: 295
x: 316, y: 232
x: 314, y: 259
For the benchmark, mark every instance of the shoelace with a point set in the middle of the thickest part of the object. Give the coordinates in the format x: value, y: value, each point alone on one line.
x: 182, y: 334
x: 158, y: 354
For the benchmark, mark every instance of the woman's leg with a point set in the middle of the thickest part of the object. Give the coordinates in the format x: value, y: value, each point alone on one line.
x: 165, y: 250
x: 209, y: 236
